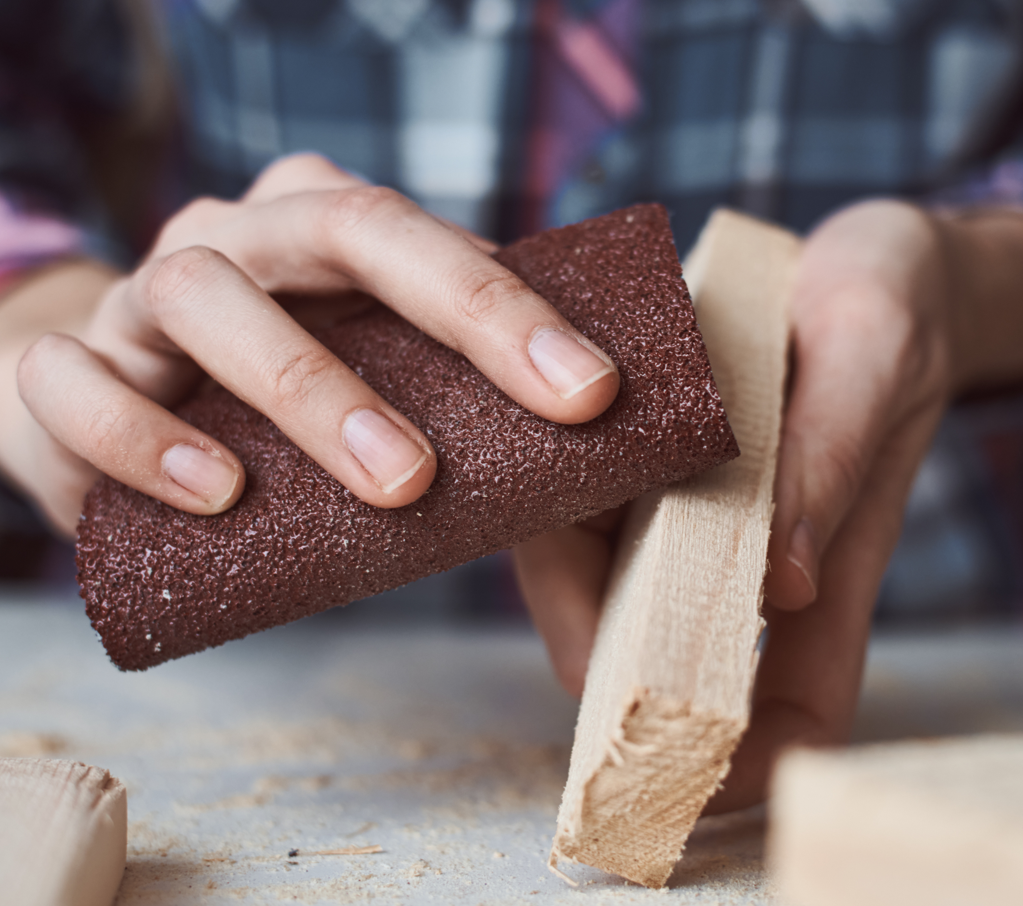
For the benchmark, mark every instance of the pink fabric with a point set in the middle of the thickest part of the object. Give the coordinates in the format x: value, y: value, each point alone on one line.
x: 599, y: 67
x: 583, y: 89
x: 28, y: 239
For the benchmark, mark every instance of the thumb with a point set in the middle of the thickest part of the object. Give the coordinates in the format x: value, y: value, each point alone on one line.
x: 847, y: 355
x: 869, y: 312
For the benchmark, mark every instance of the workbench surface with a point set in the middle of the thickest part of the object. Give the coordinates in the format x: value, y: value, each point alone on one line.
x: 447, y: 748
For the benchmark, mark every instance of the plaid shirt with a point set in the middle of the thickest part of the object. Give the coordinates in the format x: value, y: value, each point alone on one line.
x: 777, y: 107
x: 786, y: 109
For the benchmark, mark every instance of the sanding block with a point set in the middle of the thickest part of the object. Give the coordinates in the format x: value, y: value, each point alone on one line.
x: 160, y: 583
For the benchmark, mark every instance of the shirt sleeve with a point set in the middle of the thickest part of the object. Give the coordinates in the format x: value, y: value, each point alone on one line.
x: 29, y: 239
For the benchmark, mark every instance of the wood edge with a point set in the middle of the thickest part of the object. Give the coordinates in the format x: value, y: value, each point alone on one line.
x: 652, y: 733
x: 93, y: 842
x: 107, y: 858
x: 723, y: 220
x: 842, y: 831
x: 777, y: 265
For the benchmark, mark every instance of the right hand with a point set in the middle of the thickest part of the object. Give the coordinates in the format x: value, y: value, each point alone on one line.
x: 226, y: 290
x: 873, y: 368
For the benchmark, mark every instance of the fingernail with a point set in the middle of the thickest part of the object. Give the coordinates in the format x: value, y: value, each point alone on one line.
x: 803, y: 553
x: 205, y: 475
x: 383, y: 449
x: 565, y: 363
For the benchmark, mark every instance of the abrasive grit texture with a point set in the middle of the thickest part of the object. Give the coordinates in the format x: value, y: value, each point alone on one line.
x: 159, y: 583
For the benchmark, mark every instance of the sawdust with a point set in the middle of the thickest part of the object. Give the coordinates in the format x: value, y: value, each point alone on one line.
x: 31, y: 745
x: 417, y: 869
x: 345, y: 890
x: 145, y: 840
x: 503, y: 777
x: 724, y: 860
x: 264, y: 791
x: 326, y: 741
x: 218, y: 806
x: 499, y: 776
x: 147, y: 880
x: 415, y: 749
x: 368, y: 826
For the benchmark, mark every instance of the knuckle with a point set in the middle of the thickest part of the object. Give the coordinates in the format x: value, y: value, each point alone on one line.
x: 845, y: 464
x: 348, y: 208
x: 36, y: 361
x: 176, y: 278
x: 281, y: 167
x: 107, y: 431
x: 302, y: 163
x: 295, y: 378
x: 481, y: 296
x: 927, y: 371
x: 42, y: 350
x: 841, y: 325
x: 198, y: 215
x: 304, y: 171
x: 202, y: 210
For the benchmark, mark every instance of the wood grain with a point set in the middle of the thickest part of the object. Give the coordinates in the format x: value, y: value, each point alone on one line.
x: 63, y: 833
x: 922, y: 823
x: 669, y: 682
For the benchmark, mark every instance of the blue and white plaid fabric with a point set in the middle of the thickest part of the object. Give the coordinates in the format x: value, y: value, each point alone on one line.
x: 781, y: 108
x: 786, y: 108
x: 417, y: 95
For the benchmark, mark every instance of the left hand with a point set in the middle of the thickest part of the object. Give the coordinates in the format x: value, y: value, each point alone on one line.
x: 871, y: 342
x: 230, y: 290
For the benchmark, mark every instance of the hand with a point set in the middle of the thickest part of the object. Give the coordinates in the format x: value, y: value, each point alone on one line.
x: 872, y: 353
x: 226, y: 291
x: 871, y: 377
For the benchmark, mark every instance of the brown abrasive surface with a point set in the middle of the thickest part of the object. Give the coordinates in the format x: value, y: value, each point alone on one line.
x: 159, y: 583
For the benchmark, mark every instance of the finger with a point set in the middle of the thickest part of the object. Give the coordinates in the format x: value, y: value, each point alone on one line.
x: 832, y: 426
x: 84, y: 406
x: 809, y: 677
x: 297, y: 173
x: 562, y: 576
x: 861, y: 370
x: 197, y: 298
x: 55, y: 478
x: 203, y: 217
x: 867, y: 311
x: 378, y: 241
x: 484, y: 245
x: 311, y: 172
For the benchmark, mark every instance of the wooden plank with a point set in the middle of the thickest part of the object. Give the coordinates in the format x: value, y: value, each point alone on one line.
x: 669, y: 682
x: 63, y: 833
x: 924, y: 823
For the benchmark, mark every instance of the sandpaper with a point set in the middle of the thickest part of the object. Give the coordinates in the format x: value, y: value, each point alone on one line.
x: 160, y: 583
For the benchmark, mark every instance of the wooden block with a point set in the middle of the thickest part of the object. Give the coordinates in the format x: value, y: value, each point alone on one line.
x: 668, y: 688
x: 63, y: 833
x: 929, y: 823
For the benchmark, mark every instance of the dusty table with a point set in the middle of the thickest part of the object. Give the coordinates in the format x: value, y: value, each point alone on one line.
x: 446, y: 748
